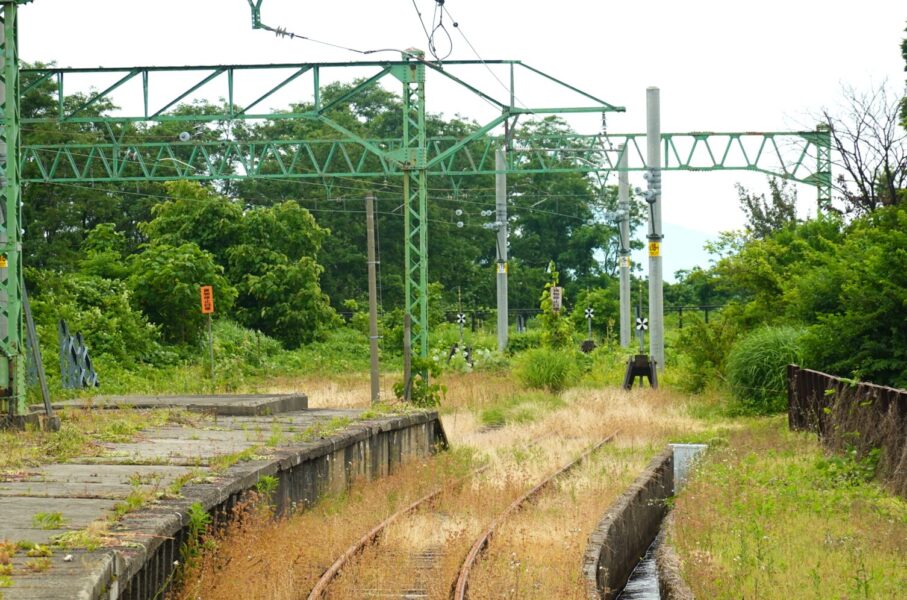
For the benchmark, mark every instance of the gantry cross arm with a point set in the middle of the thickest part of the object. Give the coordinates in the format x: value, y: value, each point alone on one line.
x: 144, y: 94
x: 791, y: 155
x: 153, y: 95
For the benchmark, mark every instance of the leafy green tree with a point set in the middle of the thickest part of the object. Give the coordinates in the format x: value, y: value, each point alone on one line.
x: 165, y: 281
x: 195, y: 214
x: 863, y: 335
x: 103, y: 252
x: 605, y: 302
x: 268, y: 253
x: 764, y: 217
x: 757, y: 277
x: 695, y: 287
x: 281, y: 297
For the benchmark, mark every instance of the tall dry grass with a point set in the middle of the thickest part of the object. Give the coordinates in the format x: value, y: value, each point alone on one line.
x: 282, y: 560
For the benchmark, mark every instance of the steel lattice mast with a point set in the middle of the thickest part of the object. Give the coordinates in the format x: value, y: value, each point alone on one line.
x: 12, y: 363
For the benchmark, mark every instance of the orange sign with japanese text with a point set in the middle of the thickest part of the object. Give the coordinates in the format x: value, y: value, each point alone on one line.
x: 207, y: 299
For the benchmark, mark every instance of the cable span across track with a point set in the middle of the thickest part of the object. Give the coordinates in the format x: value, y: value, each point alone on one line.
x: 459, y: 588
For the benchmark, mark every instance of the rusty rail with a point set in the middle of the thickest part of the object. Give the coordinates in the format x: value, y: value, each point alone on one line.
x: 482, y: 542
x: 318, y: 592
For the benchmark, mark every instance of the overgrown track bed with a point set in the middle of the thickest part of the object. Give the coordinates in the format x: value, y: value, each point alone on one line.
x: 421, y: 554
x: 320, y: 589
x: 482, y: 542
x: 418, y: 555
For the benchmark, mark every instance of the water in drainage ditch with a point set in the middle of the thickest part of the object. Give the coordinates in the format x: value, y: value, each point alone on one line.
x: 643, y: 582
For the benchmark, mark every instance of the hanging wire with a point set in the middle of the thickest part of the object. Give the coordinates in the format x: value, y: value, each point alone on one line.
x: 438, y: 29
x: 283, y: 32
x: 459, y: 29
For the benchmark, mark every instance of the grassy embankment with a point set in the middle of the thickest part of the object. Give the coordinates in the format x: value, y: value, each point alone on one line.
x: 771, y: 515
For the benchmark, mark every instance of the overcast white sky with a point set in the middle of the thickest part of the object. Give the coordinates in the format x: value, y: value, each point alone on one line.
x: 721, y: 65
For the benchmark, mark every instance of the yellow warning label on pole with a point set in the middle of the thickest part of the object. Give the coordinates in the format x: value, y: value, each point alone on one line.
x: 625, y: 260
x: 3, y: 262
x: 654, y: 248
x: 502, y: 268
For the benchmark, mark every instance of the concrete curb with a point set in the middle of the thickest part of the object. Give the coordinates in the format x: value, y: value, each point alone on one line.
x: 366, y: 449
x: 627, y: 528
x: 668, y: 565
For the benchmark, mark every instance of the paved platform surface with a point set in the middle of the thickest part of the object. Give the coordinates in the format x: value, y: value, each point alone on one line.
x: 87, y: 490
x: 218, y: 404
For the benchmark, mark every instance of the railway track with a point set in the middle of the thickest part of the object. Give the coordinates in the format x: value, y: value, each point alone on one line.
x: 462, y: 587
x: 423, y: 565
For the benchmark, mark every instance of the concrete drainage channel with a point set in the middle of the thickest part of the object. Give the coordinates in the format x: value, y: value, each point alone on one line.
x: 612, y: 568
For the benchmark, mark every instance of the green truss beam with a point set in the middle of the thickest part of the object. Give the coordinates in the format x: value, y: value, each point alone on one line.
x: 801, y: 156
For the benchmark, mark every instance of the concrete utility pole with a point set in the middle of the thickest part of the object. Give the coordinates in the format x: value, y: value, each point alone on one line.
x: 623, y: 206
x: 372, y: 296
x: 653, y: 197
x: 500, y: 189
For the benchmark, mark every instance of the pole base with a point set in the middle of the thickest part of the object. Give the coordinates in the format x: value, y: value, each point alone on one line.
x: 37, y: 421
x: 641, y: 365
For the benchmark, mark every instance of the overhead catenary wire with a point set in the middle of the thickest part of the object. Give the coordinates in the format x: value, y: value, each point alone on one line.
x: 284, y: 32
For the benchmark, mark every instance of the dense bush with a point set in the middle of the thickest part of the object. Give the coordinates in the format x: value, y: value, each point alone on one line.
x: 165, y: 283
x: 518, y: 342
x: 547, y: 368
x: 860, y: 329
x: 703, y: 350
x: 98, y: 308
x: 756, y: 367
x: 249, y: 348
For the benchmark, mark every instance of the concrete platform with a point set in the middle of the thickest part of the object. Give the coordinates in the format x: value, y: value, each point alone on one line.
x: 172, y: 465
x: 217, y: 404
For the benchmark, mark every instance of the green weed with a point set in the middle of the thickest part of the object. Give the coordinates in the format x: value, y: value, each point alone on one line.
x: 38, y: 565
x: 267, y: 485
x: 52, y: 520
x: 547, y: 369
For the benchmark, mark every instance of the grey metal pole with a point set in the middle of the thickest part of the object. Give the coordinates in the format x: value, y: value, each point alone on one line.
x: 656, y: 300
x: 407, y: 356
x: 623, y: 198
x: 372, y: 297
x: 500, y: 188
x: 211, y: 346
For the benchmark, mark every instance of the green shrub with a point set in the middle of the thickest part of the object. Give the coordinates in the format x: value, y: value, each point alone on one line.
x: 233, y: 340
x: 546, y: 368
x: 165, y: 283
x: 703, y: 351
x: 756, y: 367
x: 101, y: 310
x: 518, y: 342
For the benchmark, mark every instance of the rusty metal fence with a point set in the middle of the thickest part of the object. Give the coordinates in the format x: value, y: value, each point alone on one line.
x: 847, y: 414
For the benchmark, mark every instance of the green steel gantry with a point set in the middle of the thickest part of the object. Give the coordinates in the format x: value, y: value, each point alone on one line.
x: 125, y: 155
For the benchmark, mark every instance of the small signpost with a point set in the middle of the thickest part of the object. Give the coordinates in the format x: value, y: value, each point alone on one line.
x: 557, y: 295
x: 207, y: 294
x: 590, y: 313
